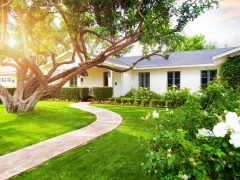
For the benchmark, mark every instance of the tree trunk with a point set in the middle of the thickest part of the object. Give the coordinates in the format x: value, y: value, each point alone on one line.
x: 18, y: 105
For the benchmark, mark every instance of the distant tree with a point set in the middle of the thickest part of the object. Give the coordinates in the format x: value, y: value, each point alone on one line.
x: 185, y: 43
x: 95, y: 29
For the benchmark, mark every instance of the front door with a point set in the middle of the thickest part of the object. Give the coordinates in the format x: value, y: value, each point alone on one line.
x: 105, y: 79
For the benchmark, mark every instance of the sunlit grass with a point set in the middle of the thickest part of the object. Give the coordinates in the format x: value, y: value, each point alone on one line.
x: 49, y: 119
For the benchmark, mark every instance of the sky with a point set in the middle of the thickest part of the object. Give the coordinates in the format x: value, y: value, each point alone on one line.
x: 220, y: 25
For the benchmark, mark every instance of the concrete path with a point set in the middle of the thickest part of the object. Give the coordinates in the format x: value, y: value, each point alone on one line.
x: 21, y: 160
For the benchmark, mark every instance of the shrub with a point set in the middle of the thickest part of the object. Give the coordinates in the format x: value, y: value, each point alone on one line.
x: 179, y: 97
x: 124, y: 100
x: 118, y: 100
x: 217, y: 97
x: 111, y: 99
x: 179, y: 149
x: 130, y: 101
x: 229, y: 71
x: 138, y: 102
x: 145, y: 102
x: 185, y: 144
x: 142, y: 93
x: 161, y: 103
x: 69, y: 93
x: 84, y: 91
x: 154, y: 102
x: 170, y: 103
x: 102, y: 93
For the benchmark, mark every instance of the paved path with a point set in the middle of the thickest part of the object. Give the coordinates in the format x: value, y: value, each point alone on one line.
x: 21, y: 160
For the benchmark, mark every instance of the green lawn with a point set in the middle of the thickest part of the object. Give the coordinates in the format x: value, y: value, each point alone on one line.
x: 48, y: 120
x: 116, y: 155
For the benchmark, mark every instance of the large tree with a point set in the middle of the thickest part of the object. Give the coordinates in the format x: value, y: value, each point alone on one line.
x: 95, y: 29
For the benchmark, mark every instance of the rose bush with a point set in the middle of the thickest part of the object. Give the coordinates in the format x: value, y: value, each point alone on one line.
x: 199, y: 140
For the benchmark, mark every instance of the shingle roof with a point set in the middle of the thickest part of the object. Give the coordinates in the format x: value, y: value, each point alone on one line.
x: 199, y: 57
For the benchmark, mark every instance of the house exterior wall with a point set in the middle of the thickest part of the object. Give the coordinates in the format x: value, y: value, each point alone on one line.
x: 8, y: 80
x: 94, y: 78
x: 190, y: 78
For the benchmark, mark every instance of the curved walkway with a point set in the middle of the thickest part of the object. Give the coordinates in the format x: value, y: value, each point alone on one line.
x: 21, y: 160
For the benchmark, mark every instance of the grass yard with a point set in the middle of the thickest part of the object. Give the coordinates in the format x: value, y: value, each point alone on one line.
x: 116, y: 155
x: 48, y: 120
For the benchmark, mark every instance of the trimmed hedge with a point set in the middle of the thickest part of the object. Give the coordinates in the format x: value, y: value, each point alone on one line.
x: 84, y: 91
x: 102, y: 93
x: 145, y: 102
x: 73, y: 94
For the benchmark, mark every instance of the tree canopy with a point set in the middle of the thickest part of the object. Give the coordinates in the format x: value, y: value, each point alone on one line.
x: 185, y: 43
x: 94, y: 29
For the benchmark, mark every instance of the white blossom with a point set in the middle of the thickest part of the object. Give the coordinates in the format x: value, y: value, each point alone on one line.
x: 233, y: 121
x: 155, y: 114
x: 183, y: 176
x: 235, y: 140
x: 205, y: 132
x: 220, y: 129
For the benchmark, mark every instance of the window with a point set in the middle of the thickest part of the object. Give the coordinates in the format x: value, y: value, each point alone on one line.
x: 144, y: 80
x: 105, y: 79
x: 207, y: 76
x: 73, y: 81
x: 174, y: 79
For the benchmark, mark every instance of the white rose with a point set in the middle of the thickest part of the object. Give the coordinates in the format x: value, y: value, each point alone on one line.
x: 205, y: 132
x: 155, y: 114
x: 235, y: 140
x: 220, y: 129
x: 232, y: 121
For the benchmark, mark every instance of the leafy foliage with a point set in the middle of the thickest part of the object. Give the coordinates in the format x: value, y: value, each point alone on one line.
x: 229, y: 71
x: 184, y: 43
x: 102, y: 93
x: 177, y: 152
x: 142, y: 93
x: 73, y: 94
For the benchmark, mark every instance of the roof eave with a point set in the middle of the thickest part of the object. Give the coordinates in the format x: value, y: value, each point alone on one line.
x: 214, y: 58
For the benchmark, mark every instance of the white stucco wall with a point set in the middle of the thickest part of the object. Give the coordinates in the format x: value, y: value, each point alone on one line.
x: 94, y: 78
x: 11, y: 83
x: 124, y: 82
x: 190, y: 78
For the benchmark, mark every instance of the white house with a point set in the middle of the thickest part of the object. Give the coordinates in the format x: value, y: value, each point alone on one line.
x: 190, y: 69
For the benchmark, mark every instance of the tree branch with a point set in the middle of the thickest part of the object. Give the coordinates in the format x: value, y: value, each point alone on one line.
x: 4, y: 23
x: 132, y: 65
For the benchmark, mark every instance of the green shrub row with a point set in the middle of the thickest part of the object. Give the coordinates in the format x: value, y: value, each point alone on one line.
x: 102, y: 93
x: 73, y: 94
x: 142, y: 102
x: 172, y: 98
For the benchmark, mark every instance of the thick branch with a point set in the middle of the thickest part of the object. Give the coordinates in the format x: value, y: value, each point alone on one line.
x: 132, y: 65
x: 4, y: 22
x: 57, y: 65
x: 23, y: 34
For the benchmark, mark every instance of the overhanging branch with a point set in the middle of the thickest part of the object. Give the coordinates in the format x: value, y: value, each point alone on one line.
x: 132, y: 65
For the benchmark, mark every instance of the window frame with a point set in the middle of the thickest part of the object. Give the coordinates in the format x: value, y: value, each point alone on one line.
x: 74, y: 81
x: 174, y: 79
x: 144, y: 80
x: 209, y: 78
